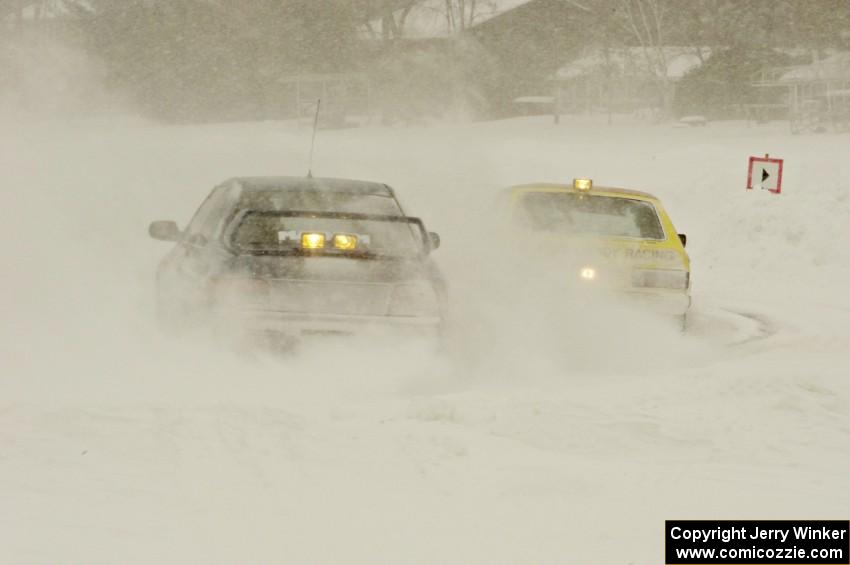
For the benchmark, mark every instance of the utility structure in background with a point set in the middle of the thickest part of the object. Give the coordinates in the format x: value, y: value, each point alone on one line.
x: 621, y: 80
x: 346, y: 98
x: 813, y: 98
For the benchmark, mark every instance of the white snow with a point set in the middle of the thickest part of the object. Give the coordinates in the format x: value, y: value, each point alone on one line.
x: 552, y: 433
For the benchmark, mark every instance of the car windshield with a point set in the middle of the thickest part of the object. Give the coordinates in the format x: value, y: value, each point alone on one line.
x: 590, y: 215
x: 320, y: 201
x: 285, y: 233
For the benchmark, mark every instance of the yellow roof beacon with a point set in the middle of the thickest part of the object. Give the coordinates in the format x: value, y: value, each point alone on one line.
x: 582, y: 184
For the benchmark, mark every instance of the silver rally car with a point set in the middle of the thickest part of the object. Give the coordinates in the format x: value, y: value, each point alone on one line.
x: 284, y: 257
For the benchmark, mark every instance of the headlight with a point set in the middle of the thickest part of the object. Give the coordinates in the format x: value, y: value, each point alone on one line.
x: 588, y: 273
x: 345, y: 241
x: 417, y: 299
x: 655, y: 278
x: 312, y: 240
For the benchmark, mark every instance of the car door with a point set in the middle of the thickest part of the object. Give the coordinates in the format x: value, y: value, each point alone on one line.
x: 183, y: 274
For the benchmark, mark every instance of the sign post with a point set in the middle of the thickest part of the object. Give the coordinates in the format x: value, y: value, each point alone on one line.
x: 765, y: 173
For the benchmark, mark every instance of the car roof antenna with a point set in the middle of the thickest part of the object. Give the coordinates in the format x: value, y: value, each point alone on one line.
x: 313, y: 141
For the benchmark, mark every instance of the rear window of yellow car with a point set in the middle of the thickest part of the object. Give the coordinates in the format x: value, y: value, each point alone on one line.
x: 585, y: 214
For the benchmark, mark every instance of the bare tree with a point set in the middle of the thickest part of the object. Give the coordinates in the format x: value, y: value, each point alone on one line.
x: 645, y: 20
x: 463, y: 14
x: 392, y: 22
x: 392, y: 15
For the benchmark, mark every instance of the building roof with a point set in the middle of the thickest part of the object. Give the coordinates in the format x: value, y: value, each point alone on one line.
x: 32, y: 10
x: 304, y: 184
x: 633, y: 61
x: 834, y: 67
x: 429, y: 18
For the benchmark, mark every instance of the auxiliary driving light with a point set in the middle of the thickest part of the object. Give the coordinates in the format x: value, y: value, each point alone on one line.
x: 582, y: 184
x: 312, y: 240
x: 345, y: 242
x: 588, y: 273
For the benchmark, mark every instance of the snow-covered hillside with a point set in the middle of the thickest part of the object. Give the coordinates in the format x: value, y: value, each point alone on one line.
x: 547, y: 434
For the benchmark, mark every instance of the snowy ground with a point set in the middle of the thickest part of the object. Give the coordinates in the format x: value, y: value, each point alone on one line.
x: 545, y: 437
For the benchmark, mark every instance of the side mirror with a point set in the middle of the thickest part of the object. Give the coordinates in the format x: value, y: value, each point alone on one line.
x: 165, y: 230
x: 684, y: 239
x: 434, y: 238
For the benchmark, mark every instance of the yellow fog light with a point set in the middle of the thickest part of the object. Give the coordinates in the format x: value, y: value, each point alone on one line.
x: 582, y: 184
x: 345, y: 242
x: 311, y: 240
x: 588, y: 273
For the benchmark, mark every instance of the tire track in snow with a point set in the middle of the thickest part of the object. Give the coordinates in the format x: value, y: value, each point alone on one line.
x: 764, y: 327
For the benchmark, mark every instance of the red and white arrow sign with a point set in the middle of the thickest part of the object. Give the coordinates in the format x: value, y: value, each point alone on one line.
x: 765, y: 173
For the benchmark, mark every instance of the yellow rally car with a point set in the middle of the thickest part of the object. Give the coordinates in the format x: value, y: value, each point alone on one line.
x: 608, y: 238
